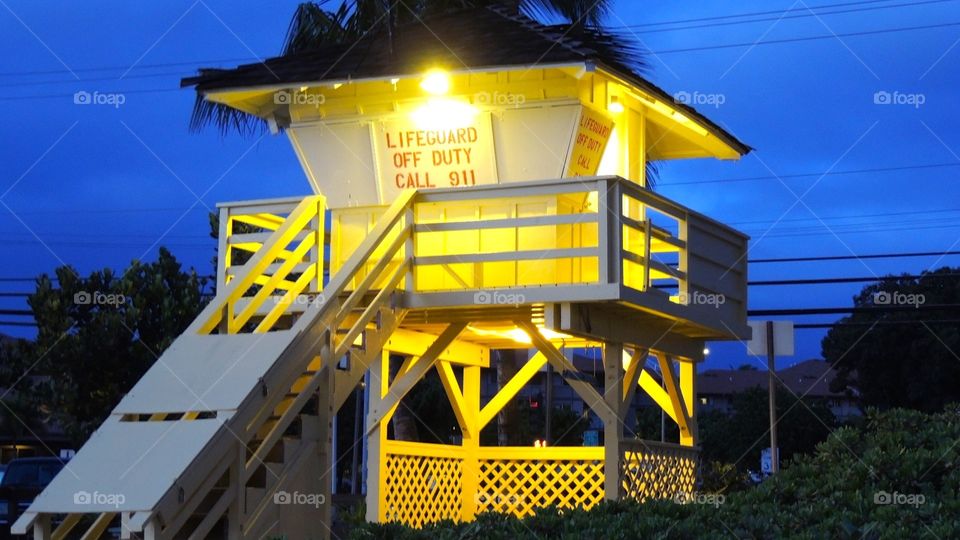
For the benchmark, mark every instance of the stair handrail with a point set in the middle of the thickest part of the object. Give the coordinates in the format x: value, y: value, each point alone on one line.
x: 213, y: 314
x: 323, y: 317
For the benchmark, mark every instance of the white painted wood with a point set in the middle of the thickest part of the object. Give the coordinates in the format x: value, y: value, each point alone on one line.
x: 125, y: 467
x: 205, y: 373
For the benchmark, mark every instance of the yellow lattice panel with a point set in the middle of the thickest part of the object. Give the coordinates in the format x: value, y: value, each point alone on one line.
x: 420, y: 489
x: 519, y: 480
x: 657, y: 471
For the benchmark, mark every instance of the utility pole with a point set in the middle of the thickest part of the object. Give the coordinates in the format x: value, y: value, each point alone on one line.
x: 772, y: 387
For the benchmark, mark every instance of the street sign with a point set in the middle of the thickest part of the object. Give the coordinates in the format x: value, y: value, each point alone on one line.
x: 766, y: 463
x: 782, y: 338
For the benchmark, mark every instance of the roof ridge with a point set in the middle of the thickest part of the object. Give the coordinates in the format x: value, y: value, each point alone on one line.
x: 548, y: 32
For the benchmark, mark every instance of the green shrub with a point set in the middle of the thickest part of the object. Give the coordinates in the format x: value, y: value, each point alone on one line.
x: 841, y: 490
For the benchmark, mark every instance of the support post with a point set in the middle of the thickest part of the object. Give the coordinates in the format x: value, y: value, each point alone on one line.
x: 41, y: 527
x: 236, y: 512
x: 470, y: 478
x: 613, y: 420
x: 327, y: 416
x: 688, y: 394
x: 376, y: 435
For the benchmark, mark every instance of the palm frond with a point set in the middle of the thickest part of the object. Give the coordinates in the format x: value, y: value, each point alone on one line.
x: 576, y: 12
x: 225, y: 119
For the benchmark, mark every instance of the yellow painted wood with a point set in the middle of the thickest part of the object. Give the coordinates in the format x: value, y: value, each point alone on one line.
x: 99, y: 526
x: 657, y: 393
x: 673, y: 390
x: 278, y: 310
x: 509, y: 390
x: 67, y: 525
x: 471, y: 443
x: 412, y: 343
x: 584, y: 389
x: 688, y: 390
x: 267, y: 288
x: 452, y: 388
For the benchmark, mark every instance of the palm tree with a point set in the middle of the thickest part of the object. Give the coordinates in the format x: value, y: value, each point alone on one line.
x: 317, y: 24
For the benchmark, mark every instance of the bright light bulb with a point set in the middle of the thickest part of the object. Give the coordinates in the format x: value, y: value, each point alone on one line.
x: 441, y: 114
x: 706, y: 351
x: 615, y: 106
x: 436, y: 82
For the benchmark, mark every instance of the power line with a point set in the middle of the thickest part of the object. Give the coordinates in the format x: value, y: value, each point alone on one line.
x: 808, y: 38
x: 809, y: 326
x: 822, y: 281
x: 919, y: 308
x: 780, y: 17
x: 856, y: 257
x: 755, y: 13
x: 810, y: 174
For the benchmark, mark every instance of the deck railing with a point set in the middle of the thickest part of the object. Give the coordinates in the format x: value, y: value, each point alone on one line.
x: 534, y: 238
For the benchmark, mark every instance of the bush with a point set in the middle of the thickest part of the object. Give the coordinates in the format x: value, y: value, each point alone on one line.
x: 895, y: 476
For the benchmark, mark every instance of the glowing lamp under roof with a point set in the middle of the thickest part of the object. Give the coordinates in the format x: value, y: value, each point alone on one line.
x: 436, y: 82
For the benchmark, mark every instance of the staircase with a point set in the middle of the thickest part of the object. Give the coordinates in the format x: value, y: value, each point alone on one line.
x: 227, y: 435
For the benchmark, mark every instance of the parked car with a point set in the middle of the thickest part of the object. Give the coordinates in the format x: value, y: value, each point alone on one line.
x: 23, y: 480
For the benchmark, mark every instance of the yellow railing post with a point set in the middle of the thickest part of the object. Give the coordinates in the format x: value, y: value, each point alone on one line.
x: 470, y: 480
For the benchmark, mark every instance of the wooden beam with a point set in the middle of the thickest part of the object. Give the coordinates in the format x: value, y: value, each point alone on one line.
x: 673, y: 390
x: 455, y: 395
x: 656, y: 392
x: 688, y: 390
x: 613, y: 426
x: 581, y: 386
x: 631, y: 376
x: 98, y: 527
x: 415, y: 372
x: 516, y: 383
x: 65, y: 526
x: 414, y: 343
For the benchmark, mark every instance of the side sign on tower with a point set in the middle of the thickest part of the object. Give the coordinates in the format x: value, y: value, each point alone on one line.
x: 589, y: 141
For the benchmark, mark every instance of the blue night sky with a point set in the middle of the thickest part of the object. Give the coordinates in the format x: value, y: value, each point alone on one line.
x: 97, y: 186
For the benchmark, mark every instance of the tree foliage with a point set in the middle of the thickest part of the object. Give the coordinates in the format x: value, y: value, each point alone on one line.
x: 97, y: 335
x: 902, y: 358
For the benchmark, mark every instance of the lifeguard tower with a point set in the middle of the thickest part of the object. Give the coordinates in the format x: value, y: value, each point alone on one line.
x: 478, y: 185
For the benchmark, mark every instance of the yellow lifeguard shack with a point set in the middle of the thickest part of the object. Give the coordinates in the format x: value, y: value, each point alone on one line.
x: 479, y: 183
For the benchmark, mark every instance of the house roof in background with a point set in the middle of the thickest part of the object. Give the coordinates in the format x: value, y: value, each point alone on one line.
x: 810, y: 377
x: 471, y: 39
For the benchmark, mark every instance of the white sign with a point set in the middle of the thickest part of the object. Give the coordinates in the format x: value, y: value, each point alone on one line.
x: 410, y: 157
x: 782, y: 338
